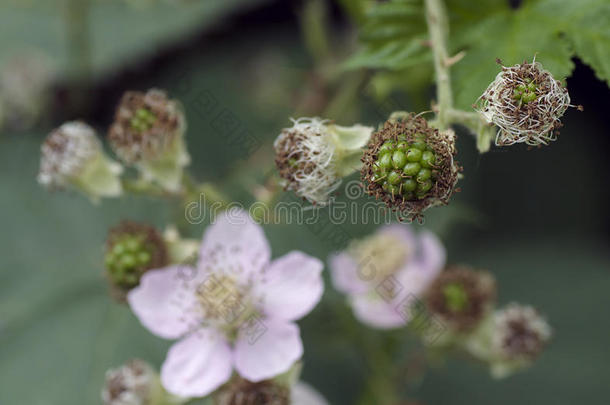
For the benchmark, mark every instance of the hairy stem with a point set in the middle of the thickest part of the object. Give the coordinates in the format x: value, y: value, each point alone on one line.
x: 438, y: 28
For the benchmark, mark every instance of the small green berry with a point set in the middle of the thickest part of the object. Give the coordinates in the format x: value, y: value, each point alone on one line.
x: 424, y: 187
x: 411, y: 169
x: 143, y: 258
x: 428, y: 159
x: 414, y: 154
x: 132, y: 245
x: 399, y: 159
x: 456, y: 297
x: 141, y: 113
x: 118, y: 249
x: 394, y: 177
x: 409, y: 185
x: 386, y: 161
x: 420, y: 145
x: 390, y: 188
x: 386, y: 147
x: 423, y: 175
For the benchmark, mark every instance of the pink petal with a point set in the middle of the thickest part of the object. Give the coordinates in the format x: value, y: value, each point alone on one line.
x: 304, y: 394
x: 292, y: 286
x: 197, y: 365
x: 164, y: 301
x: 346, y: 274
x: 432, y: 254
x: 270, y: 353
x: 401, y: 231
x: 374, y: 311
x: 234, y: 244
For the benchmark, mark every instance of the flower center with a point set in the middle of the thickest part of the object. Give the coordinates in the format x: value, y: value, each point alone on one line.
x: 456, y: 297
x: 525, y: 92
x: 380, y: 256
x: 224, y: 302
x: 142, y: 120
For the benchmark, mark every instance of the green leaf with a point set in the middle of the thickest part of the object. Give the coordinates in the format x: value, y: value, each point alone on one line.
x: 553, y: 31
x: 512, y: 36
x: 586, y: 24
x: 393, y: 37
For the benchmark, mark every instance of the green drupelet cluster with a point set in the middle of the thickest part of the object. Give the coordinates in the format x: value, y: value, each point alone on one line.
x: 143, y: 120
x: 456, y: 297
x: 406, y: 168
x: 525, y: 93
x: 126, y: 260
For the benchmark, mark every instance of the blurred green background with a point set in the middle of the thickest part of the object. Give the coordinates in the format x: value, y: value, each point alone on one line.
x: 536, y: 218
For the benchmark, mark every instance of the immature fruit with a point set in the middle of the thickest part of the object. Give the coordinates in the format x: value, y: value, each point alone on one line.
x: 131, y: 250
x: 410, y: 166
x: 526, y: 103
x: 461, y: 297
x: 401, y: 164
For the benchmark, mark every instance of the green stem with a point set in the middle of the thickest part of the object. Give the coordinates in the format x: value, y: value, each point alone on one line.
x: 438, y: 28
x: 77, y: 25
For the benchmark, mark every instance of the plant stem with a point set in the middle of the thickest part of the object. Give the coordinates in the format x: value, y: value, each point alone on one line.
x: 438, y: 28
x: 78, y: 36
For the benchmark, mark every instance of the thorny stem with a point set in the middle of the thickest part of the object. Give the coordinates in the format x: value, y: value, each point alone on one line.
x: 438, y: 28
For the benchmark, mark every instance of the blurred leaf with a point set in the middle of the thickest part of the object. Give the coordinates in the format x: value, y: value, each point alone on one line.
x: 119, y: 33
x: 553, y: 31
x: 394, y: 36
x: 513, y: 36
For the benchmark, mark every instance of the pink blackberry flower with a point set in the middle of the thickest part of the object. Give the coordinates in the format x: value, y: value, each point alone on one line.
x: 236, y: 310
x: 385, y: 270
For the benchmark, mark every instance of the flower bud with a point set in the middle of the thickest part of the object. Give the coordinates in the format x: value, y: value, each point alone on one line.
x: 520, y: 335
x: 410, y: 166
x: 461, y: 297
x: 526, y: 103
x: 132, y: 249
x: 135, y: 383
x: 243, y: 392
x: 72, y: 156
x: 148, y: 133
x: 313, y: 155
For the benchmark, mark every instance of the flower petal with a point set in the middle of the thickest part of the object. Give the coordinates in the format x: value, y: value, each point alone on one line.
x: 234, y: 244
x: 164, y: 301
x: 197, y: 365
x: 292, y: 286
x: 402, y: 232
x: 304, y: 394
x: 346, y: 274
x: 432, y: 254
x: 269, y: 353
x: 375, y: 312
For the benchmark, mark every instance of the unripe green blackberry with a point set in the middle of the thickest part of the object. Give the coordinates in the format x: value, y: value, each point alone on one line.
x: 410, y: 165
x: 131, y: 250
x: 406, y: 168
x: 461, y: 297
x: 526, y: 103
